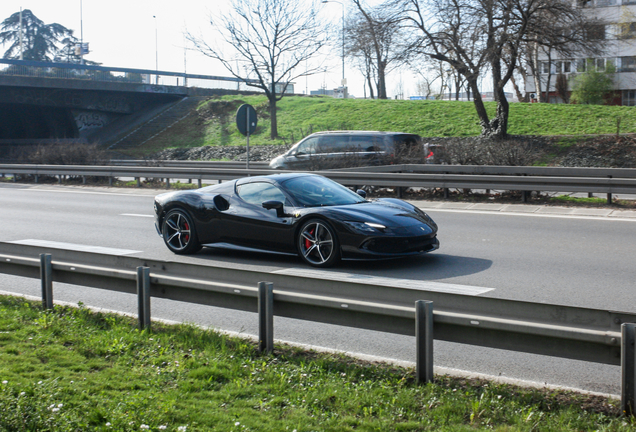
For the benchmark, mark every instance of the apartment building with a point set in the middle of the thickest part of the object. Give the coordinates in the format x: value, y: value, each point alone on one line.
x: 619, y: 31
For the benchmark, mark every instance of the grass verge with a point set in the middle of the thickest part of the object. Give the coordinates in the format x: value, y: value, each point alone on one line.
x: 299, y: 116
x: 71, y: 369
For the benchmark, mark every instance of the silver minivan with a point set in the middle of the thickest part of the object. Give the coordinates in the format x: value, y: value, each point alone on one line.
x: 343, y: 149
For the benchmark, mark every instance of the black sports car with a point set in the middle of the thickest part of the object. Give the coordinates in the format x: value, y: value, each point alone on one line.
x: 305, y: 214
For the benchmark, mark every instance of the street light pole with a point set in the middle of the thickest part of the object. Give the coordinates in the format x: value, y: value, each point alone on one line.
x: 156, y: 53
x: 344, y: 81
x: 81, y: 33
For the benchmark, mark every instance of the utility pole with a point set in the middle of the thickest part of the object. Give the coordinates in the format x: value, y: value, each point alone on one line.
x: 21, y: 42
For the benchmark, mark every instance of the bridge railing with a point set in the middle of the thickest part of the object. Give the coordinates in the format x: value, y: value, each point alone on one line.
x: 10, y: 67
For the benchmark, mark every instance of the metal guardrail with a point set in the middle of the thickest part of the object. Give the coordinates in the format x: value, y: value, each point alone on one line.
x: 189, y: 164
x: 593, y: 335
x: 616, y: 184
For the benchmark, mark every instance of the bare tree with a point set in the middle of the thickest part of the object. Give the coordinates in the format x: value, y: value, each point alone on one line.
x: 272, y: 37
x: 375, y: 35
x: 474, y: 37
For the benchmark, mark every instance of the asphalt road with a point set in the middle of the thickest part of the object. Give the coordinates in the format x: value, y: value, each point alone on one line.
x: 521, y: 253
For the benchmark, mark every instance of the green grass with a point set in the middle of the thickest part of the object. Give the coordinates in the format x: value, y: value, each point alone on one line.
x: 71, y: 369
x: 299, y: 116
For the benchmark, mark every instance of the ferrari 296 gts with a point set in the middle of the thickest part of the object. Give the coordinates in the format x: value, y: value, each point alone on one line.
x: 295, y: 213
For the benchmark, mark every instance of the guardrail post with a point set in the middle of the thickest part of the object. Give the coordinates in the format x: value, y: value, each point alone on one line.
x: 199, y: 182
x: 36, y: 178
x: 143, y: 297
x: 167, y: 183
x: 628, y: 368
x: 46, y: 277
x: 609, y: 199
x: 265, y: 317
x: 424, y: 341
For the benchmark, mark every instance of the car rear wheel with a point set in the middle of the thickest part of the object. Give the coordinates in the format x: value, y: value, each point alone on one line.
x: 318, y: 244
x: 179, y: 233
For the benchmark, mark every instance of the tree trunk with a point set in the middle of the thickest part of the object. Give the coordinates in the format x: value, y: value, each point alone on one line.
x: 520, y: 97
x: 381, y: 81
x: 273, y: 120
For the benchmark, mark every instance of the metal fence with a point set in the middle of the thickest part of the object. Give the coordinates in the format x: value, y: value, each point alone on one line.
x: 592, y: 335
x: 589, y: 180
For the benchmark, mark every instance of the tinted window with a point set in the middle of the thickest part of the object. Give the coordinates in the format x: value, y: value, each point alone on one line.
x: 308, y: 146
x: 367, y: 143
x: 316, y: 191
x: 333, y: 144
x: 258, y: 193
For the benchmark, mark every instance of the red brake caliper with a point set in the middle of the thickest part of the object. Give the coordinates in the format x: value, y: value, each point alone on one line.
x: 307, y: 242
x: 187, y: 227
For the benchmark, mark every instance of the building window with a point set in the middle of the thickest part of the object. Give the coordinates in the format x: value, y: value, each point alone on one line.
x: 566, y: 66
x: 581, y: 65
x: 545, y: 67
x: 599, y: 63
x: 629, y: 97
x: 627, y: 64
x: 596, y: 32
x: 625, y: 30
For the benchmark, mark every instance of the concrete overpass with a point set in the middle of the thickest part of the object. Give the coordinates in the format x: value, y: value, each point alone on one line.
x: 44, y: 102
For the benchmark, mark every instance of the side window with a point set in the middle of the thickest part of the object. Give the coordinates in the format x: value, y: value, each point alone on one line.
x: 308, y: 146
x: 365, y: 143
x: 333, y: 144
x: 258, y: 193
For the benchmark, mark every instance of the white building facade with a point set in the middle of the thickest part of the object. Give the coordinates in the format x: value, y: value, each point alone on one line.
x: 619, y: 32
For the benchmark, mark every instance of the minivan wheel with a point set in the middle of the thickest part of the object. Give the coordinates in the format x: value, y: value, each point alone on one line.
x: 318, y: 244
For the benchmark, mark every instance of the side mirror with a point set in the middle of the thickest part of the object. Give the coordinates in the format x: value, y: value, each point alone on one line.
x: 362, y: 193
x: 276, y: 205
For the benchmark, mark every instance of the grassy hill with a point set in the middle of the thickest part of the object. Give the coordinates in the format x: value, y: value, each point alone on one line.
x: 213, y: 123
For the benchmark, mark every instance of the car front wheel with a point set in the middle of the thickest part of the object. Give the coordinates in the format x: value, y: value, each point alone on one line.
x: 318, y: 244
x: 179, y: 233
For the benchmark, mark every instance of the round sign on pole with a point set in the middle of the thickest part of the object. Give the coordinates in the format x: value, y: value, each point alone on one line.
x: 246, y: 120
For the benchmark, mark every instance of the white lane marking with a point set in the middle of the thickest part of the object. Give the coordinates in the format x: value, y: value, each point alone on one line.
x: 75, y: 247
x: 137, y: 215
x: 502, y: 213
x: 385, y: 281
x: 151, y: 193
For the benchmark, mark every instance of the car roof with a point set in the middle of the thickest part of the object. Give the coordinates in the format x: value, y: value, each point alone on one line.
x: 360, y: 132
x: 274, y: 178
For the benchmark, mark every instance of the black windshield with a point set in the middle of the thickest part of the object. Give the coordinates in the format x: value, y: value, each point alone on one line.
x: 315, y: 191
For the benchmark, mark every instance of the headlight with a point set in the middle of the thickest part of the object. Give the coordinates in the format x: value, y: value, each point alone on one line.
x: 366, y: 227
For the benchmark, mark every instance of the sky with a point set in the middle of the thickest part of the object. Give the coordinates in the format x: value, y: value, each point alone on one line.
x: 143, y: 34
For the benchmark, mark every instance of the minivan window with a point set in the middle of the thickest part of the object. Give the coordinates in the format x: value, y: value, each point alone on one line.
x: 333, y: 144
x: 367, y: 143
x: 308, y: 146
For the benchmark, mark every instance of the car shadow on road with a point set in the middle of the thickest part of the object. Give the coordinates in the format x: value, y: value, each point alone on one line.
x: 433, y: 266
